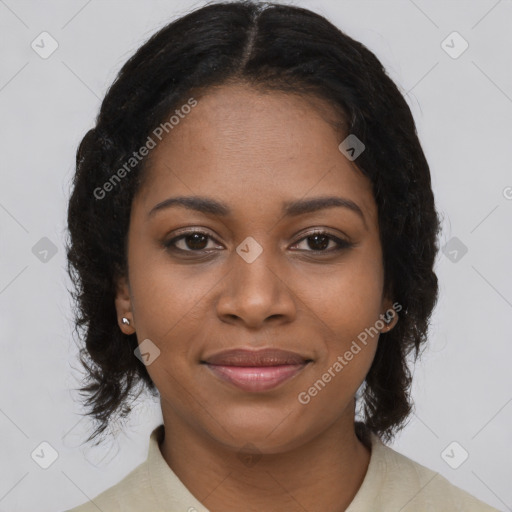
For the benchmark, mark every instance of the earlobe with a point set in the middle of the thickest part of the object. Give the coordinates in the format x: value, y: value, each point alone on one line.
x: 390, y: 316
x: 390, y: 319
x: 123, y: 305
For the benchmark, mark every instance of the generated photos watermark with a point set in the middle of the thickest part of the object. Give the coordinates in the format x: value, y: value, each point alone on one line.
x: 144, y: 150
x: 304, y: 397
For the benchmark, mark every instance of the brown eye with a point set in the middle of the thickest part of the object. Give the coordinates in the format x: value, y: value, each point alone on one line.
x: 196, y: 241
x: 319, y: 242
x: 192, y: 241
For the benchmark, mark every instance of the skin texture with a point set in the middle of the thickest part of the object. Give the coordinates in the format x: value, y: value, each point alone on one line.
x: 254, y: 151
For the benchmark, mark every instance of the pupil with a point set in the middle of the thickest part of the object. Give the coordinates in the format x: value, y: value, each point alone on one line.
x: 196, y: 241
x: 321, y: 245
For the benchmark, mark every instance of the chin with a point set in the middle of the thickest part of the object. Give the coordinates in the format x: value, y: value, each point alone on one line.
x: 269, y: 431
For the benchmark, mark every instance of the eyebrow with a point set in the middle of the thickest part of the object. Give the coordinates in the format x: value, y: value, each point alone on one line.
x: 290, y: 208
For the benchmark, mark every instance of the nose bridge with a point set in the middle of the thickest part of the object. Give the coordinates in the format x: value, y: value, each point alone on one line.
x: 255, y: 291
x: 252, y: 272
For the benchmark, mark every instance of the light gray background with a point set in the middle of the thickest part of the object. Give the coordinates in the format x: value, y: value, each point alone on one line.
x: 463, y: 110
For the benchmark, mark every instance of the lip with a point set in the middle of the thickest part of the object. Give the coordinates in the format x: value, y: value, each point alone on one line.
x: 256, y: 370
x: 260, y: 357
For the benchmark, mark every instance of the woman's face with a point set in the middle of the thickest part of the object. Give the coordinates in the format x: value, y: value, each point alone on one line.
x: 253, y: 279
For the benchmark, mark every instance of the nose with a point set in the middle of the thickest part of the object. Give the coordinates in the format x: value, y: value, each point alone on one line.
x: 256, y: 293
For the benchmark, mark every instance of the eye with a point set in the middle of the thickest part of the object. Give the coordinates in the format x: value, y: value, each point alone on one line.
x: 191, y: 241
x: 319, y: 241
x: 197, y: 241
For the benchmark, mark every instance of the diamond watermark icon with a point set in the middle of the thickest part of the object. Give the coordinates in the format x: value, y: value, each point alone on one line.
x: 454, y: 249
x: 454, y: 455
x: 44, y: 250
x: 249, y: 455
x: 454, y: 45
x: 44, y: 45
x: 147, y: 352
x: 249, y: 249
x: 351, y: 147
x: 44, y: 455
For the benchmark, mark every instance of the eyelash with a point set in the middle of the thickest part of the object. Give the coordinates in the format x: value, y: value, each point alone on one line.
x: 342, y: 244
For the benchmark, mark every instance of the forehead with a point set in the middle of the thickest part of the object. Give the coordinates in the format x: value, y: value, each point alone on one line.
x: 247, y: 146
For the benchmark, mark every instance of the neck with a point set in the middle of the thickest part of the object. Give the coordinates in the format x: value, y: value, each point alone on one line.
x: 323, y: 473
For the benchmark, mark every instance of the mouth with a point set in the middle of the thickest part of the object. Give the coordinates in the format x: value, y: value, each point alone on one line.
x: 256, y: 371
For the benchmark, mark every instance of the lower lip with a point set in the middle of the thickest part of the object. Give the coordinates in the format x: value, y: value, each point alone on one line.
x: 256, y: 378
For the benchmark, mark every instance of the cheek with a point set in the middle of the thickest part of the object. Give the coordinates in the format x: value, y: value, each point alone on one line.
x: 349, y: 308
x: 335, y: 384
x: 164, y: 293
x: 348, y: 296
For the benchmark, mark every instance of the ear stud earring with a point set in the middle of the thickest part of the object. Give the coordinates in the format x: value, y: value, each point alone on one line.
x: 126, y: 321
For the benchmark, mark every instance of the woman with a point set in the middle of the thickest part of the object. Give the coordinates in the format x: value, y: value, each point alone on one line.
x: 252, y: 236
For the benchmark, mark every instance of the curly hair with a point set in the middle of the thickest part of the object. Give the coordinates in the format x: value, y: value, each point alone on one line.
x: 273, y: 47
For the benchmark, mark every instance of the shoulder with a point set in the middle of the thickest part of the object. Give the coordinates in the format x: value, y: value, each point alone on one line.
x: 397, y: 482
x: 151, y: 486
x: 121, y: 497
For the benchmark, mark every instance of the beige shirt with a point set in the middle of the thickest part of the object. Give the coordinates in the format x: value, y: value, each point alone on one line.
x: 393, y: 483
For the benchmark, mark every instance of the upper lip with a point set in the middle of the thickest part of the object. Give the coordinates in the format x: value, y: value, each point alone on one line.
x: 261, y: 357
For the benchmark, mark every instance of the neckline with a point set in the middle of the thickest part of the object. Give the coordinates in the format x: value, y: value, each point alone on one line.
x: 169, y: 490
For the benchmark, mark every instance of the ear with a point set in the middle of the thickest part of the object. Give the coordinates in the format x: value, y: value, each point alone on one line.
x: 389, y: 314
x: 123, y: 304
